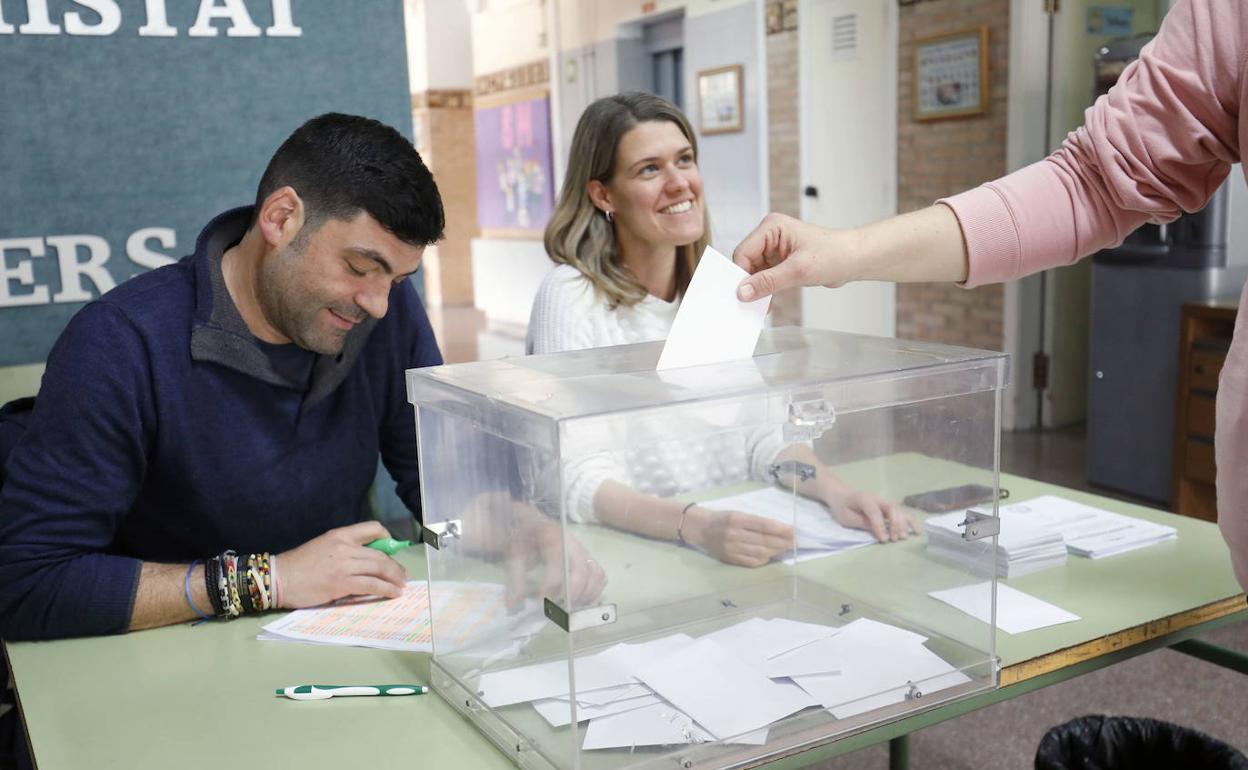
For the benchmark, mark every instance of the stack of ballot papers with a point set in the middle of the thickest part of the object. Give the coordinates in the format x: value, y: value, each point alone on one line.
x: 1037, y: 533
x: 1023, y: 546
x: 817, y: 533
x: 1092, y: 532
x: 730, y: 685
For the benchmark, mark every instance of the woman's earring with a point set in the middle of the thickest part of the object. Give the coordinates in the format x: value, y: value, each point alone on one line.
x: 608, y: 213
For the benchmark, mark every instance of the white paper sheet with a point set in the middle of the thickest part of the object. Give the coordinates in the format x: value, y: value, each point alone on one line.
x: 864, y: 682
x: 814, y: 527
x: 818, y: 657
x: 547, y: 680
x: 712, y: 325
x: 611, y: 668
x: 606, y: 695
x: 658, y: 725
x: 1017, y: 612
x: 481, y: 626
x: 720, y: 691
x: 756, y: 640
x: 558, y: 712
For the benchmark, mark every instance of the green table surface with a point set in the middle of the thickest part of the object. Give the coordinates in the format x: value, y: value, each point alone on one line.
x: 190, y: 697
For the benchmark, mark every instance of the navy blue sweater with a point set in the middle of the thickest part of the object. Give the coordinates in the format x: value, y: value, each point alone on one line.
x: 164, y: 431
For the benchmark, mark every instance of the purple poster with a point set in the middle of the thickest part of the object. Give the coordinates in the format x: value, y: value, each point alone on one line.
x: 514, y: 185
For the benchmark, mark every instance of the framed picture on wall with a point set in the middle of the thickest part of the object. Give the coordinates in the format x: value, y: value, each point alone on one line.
x: 515, y: 178
x: 720, y: 103
x: 951, y: 75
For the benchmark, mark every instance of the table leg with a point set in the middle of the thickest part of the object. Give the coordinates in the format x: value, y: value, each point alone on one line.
x: 1213, y: 653
x: 899, y: 753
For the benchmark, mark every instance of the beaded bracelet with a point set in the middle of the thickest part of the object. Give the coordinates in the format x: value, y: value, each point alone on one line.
x: 239, y: 585
x: 212, y: 582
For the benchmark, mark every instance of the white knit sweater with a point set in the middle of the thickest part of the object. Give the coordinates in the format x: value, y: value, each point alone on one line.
x: 569, y: 315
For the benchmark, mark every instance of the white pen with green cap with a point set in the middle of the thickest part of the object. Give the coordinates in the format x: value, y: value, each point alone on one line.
x: 323, y: 691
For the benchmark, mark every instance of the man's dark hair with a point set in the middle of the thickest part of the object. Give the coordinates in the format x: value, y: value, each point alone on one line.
x: 343, y: 164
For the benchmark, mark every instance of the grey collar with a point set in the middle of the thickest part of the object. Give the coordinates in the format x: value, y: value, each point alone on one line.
x: 221, y: 337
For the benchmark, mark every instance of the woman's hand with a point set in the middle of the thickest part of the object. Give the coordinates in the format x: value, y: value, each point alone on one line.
x: 889, y: 522
x: 735, y: 537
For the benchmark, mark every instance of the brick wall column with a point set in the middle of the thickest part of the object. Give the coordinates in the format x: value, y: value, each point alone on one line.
x: 939, y: 158
x: 444, y: 138
x: 784, y: 134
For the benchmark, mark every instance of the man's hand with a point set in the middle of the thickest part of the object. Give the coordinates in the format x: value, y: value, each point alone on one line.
x: 337, y: 564
x: 586, y: 577
x: 889, y: 522
x: 735, y: 537
x: 783, y: 252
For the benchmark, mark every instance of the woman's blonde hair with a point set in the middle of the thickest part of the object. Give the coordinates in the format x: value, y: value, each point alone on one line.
x: 579, y: 234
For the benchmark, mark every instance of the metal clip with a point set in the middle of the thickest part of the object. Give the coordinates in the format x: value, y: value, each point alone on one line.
x: 579, y: 620
x: 808, y: 420
x: 437, y: 533
x: 792, y: 468
x: 979, y: 525
x: 914, y: 693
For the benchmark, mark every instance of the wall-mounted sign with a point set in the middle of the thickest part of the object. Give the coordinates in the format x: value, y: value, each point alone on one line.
x: 128, y: 124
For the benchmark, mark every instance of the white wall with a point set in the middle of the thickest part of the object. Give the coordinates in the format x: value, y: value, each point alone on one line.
x: 848, y: 115
x: 439, y: 44
x: 508, y: 33
x: 732, y: 165
x: 505, y: 278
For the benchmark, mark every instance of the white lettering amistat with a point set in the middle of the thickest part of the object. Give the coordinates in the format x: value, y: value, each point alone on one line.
x: 81, y: 265
x: 95, y: 18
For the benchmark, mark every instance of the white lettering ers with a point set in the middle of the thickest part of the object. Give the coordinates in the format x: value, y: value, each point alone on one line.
x: 103, y: 17
x: 17, y: 274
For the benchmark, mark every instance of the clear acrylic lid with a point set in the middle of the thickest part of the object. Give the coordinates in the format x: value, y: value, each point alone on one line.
x: 546, y: 389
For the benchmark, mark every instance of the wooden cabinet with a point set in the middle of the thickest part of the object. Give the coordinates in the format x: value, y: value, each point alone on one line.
x: 1204, y: 339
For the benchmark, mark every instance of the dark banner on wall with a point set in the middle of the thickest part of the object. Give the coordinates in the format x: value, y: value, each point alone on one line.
x: 125, y: 125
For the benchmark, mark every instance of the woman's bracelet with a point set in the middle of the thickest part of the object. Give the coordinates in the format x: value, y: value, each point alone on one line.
x: 680, y: 526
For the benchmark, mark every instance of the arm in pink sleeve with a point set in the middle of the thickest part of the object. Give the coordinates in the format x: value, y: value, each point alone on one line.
x: 1159, y: 143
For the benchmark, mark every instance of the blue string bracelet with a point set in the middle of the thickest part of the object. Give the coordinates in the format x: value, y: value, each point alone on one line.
x: 186, y: 590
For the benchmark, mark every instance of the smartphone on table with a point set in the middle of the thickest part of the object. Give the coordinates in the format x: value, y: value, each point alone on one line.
x: 952, y: 498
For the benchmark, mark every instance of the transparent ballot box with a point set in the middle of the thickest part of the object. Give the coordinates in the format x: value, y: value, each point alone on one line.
x: 711, y: 566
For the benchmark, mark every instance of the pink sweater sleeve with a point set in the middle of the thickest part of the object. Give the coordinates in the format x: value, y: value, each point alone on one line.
x: 1159, y: 143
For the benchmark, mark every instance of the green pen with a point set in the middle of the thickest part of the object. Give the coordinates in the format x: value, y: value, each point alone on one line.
x: 323, y: 691
x: 389, y: 546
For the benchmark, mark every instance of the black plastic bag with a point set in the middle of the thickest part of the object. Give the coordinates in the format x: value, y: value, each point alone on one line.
x: 1114, y: 743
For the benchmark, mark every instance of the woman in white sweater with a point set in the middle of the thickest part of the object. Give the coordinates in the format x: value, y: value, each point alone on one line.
x: 626, y: 236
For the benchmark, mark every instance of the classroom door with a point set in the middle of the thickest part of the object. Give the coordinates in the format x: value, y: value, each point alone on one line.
x: 848, y: 74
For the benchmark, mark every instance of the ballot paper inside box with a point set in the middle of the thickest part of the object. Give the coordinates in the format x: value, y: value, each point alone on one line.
x: 564, y: 479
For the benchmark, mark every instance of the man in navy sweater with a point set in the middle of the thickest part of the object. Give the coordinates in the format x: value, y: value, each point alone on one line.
x: 236, y: 400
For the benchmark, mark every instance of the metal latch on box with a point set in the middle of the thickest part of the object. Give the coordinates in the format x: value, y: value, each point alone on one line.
x: 579, y: 620
x: 436, y: 533
x: 808, y: 420
x: 979, y: 525
x: 791, y: 468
